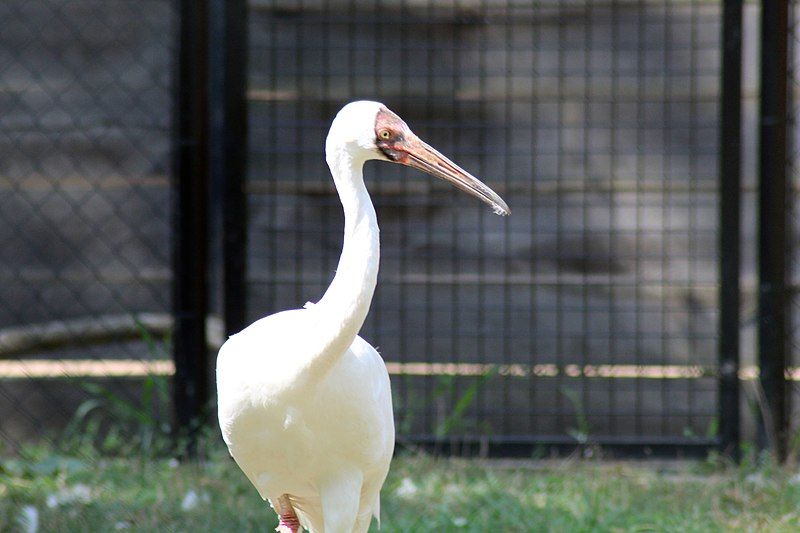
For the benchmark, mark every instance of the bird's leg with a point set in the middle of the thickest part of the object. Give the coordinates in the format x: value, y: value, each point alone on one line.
x: 289, y: 523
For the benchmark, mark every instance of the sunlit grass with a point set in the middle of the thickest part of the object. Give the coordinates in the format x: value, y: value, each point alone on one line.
x: 86, y: 492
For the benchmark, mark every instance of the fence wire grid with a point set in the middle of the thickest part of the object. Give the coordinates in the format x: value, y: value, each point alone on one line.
x: 590, y: 312
x: 589, y: 316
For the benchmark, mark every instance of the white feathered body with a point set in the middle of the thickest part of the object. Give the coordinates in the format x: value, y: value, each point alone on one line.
x: 293, y: 437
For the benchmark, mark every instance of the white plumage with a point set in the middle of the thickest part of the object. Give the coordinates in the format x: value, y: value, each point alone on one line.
x: 304, y: 402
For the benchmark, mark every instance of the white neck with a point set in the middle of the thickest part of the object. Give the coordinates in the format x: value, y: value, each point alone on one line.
x: 344, y: 306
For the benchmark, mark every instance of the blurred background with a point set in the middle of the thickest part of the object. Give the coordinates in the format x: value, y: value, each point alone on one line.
x: 588, y: 318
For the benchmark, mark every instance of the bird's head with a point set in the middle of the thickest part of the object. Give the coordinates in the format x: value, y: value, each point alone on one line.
x: 369, y: 130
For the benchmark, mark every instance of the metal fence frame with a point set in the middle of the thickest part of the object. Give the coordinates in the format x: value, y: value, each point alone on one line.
x: 773, y: 287
x: 730, y: 195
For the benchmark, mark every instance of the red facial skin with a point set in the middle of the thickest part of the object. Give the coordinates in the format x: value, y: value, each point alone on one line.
x: 392, y: 136
x: 397, y: 142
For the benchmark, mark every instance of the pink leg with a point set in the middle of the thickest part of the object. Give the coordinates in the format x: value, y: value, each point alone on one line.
x: 289, y: 523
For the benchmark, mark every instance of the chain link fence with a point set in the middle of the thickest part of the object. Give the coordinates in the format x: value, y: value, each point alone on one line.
x: 84, y: 203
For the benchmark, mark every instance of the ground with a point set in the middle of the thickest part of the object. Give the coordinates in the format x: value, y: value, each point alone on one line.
x: 85, y: 492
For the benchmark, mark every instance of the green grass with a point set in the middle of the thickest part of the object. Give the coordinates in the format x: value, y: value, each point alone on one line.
x: 422, y: 494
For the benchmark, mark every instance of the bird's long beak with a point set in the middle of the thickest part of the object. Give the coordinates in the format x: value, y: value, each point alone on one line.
x: 422, y: 156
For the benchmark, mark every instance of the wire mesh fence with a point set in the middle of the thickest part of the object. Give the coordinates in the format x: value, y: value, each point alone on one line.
x: 588, y: 316
x: 84, y: 202
x: 590, y: 313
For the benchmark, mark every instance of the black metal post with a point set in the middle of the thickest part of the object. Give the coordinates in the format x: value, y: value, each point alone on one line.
x: 772, y: 233
x: 730, y: 197
x: 229, y: 149
x: 190, y: 236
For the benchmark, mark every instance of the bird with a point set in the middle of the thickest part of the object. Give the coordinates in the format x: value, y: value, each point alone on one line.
x: 304, y: 403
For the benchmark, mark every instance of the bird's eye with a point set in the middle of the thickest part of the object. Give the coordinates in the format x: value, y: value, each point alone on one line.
x: 384, y: 134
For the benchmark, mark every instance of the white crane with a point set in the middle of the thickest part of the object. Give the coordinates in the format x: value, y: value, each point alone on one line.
x: 304, y: 402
